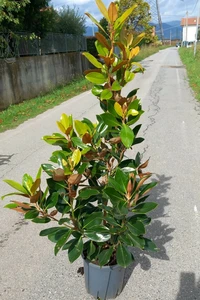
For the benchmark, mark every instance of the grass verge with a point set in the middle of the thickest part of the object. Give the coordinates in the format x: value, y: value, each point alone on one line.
x: 148, y: 51
x: 192, y: 65
x: 15, y: 115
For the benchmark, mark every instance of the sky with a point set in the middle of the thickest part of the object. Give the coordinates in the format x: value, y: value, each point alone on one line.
x: 169, y: 9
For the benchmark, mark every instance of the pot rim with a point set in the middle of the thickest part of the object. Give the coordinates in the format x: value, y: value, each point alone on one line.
x: 103, y: 267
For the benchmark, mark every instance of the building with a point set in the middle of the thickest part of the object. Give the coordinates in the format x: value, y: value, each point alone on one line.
x: 189, y: 29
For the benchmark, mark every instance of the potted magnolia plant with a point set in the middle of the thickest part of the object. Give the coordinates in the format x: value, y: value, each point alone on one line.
x: 94, y: 194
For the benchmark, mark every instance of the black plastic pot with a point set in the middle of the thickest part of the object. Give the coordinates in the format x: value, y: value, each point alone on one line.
x: 103, y: 282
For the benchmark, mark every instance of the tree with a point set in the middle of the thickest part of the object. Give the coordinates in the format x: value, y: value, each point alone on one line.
x: 9, y: 12
x: 70, y: 21
x: 104, y: 23
x: 140, y: 18
x: 38, y: 17
x: 198, y: 36
x: 34, y: 16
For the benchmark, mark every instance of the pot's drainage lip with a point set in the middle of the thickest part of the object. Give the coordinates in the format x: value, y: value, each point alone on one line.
x: 174, y: 67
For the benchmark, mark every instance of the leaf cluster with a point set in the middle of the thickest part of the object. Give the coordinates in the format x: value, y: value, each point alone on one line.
x: 94, y: 193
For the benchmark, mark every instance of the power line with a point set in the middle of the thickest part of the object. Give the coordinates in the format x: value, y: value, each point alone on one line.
x: 194, y: 7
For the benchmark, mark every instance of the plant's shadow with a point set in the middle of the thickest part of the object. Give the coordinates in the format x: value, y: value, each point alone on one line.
x: 157, y: 231
x: 5, y: 159
x: 189, y: 288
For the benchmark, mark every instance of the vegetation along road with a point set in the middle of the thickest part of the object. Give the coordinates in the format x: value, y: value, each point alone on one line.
x: 171, y: 126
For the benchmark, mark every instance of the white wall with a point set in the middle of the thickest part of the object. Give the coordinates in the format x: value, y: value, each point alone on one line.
x: 191, y: 33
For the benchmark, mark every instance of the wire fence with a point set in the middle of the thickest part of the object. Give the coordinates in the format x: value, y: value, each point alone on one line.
x: 26, y: 44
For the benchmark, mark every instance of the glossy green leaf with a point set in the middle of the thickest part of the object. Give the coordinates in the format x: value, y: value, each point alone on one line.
x: 11, y: 205
x: 91, y: 249
x: 136, y: 227
x: 116, y: 86
x: 16, y: 186
x: 106, y: 94
x: 149, y: 245
x: 144, y: 208
x: 27, y: 182
x: 113, y: 195
x: 129, y: 76
x: 121, y: 179
x: 12, y: 194
x: 136, y: 241
x: 132, y: 112
x: 104, y: 256
x: 31, y: 214
x: 75, y: 250
x: 56, y: 236
x: 132, y: 93
x: 87, y: 193
x: 51, y: 230
x: 93, y: 220
x: 147, y: 187
x: 95, y: 77
x: 93, y: 60
x: 124, y: 256
x: 110, y: 120
x: 120, y: 21
x: 78, y: 143
x: 41, y: 220
x: 98, y: 233
x: 97, y: 90
x: 62, y: 241
x: 76, y: 157
x: 127, y: 136
x: 81, y: 127
x: 118, y: 109
x: 102, y: 50
x: 95, y: 22
x: 52, y: 200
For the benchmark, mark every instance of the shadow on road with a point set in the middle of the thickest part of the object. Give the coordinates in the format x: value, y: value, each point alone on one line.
x: 5, y: 159
x: 189, y: 288
x: 157, y: 231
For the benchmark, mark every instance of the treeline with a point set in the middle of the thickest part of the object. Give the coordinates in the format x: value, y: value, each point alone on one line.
x: 39, y: 17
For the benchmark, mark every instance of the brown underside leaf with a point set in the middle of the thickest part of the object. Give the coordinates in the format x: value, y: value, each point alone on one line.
x: 74, y: 179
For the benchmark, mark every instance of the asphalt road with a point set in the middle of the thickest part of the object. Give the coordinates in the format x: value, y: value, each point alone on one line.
x: 171, y: 126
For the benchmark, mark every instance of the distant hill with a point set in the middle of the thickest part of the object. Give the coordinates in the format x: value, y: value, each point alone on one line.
x: 173, y: 26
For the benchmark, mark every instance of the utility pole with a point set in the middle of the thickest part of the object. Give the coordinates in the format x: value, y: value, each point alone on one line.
x: 170, y: 37
x: 197, y: 30
x: 186, y: 26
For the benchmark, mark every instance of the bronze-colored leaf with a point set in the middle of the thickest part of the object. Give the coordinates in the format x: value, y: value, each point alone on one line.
x: 74, y: 179
x: 72, y: 194
x: 108, y: 61
x: 144, y: 165
x: 102, y: 40
x: 86, y: 139
x: 18, y: 209
x: 121, y: 46
x: 59, y: 175
x: 121, y: 64
x: 35, y: 186
x: 115, y: 140
x: 36, y: 197
x: 53, y: 213
x: 112, y: 12
x: 140, y: 183
x: 67, y: 132
x: 21, y: 204
x: 91, y: 71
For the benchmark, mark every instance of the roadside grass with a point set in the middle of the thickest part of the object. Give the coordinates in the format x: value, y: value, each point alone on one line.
x: 148, y: 51
x: 192, y: 65
x: 16, y: 114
